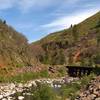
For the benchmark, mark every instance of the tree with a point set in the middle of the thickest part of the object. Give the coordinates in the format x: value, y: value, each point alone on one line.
x: 97, y: 58
x: 98, y: 37
x: 71, y: 26
x: 4, y: 21
x: 75, y: 33
x: 98, y: 24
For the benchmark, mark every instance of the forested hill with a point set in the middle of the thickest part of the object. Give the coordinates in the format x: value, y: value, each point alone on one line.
x: 14, y: 48
x: 80, y: 44
x: 77, y: 45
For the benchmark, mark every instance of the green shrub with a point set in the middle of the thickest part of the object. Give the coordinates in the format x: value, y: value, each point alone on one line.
x: 62, y: 71
x: 44, y: 73
x: 44, y: 92
x: 26, y: 76
x: 71, y: 90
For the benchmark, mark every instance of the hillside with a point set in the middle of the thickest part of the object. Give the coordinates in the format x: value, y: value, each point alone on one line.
x: 18, y: 62
x: 78, y: 45
x: 14, y: 48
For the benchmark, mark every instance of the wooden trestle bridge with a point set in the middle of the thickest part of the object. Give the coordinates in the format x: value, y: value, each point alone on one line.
x: 78, y: 71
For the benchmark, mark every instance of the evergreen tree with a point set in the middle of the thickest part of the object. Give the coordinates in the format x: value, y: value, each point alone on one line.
x: 4, y: 21
x: 75, y: 33
x: 71, y: 26
x: 98, y: 38
x: 98, y: 24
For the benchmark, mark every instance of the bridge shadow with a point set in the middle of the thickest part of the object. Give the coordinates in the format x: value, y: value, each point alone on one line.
x: 78, y: 71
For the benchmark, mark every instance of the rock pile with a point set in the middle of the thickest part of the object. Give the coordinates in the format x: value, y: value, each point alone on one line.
x: 9, y: 89
x: 92, y: 91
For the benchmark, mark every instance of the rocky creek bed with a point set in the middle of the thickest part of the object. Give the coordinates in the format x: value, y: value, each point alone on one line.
x: 92, y: 91
x: 8, y: 91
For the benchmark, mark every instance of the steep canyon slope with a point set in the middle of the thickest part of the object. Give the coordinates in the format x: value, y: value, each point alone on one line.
x: 14, y: 48
x: 78, y: 45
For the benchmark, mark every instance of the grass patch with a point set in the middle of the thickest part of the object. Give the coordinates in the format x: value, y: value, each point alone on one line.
x: 44, y: 92
x: 24, y: 77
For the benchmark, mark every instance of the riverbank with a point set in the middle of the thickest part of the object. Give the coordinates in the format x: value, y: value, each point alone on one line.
x: 9, y: 89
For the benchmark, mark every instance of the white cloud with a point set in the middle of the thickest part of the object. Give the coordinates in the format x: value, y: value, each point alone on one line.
x: 5, y: 4
x: 69, y: 2
x: 66, y: 21
x: 41, y: 4
x: 26, y: 5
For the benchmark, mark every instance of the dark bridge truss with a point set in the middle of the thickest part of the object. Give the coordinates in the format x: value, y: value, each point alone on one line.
x: 78, y: 71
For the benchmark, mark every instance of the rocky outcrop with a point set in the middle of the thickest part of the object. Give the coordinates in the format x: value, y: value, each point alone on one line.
x: 92, y: 91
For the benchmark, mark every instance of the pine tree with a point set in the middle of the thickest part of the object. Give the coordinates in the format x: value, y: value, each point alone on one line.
x: 75, y: 33
x: 71, y: 26
x: 4, y: 21
x: 98, y: 24
x: 98, y: 38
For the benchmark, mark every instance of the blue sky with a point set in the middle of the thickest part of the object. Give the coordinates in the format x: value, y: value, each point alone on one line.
x: 37, y: 18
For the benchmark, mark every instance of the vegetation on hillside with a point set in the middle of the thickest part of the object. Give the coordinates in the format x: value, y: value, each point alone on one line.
x: 69, y: 46
x: 14, y: 50
x: 78, y: 45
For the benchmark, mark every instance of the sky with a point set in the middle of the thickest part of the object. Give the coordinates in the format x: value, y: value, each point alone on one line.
x: 38, y: 18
